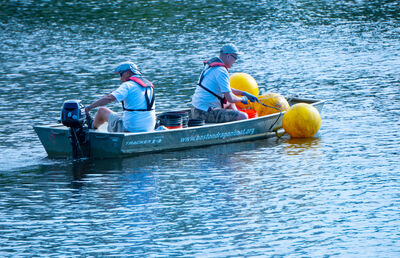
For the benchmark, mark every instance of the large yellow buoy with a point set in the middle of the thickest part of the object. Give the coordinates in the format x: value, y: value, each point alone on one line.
x: 301, y: 120
x: 244, y: 82
x: 270, y: 100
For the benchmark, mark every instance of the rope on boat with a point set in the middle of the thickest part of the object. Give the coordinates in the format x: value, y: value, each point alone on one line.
x: 280, y: 114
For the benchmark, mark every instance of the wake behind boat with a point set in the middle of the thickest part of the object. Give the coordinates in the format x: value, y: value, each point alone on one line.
x: 73, y: 139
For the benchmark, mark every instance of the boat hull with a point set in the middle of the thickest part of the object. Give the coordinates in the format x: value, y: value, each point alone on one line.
x: 55, y: 138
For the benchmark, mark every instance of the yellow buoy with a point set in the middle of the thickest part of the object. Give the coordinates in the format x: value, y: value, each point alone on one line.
x: 273, y: 100
x: 244, y: 82
x: 301, y: 121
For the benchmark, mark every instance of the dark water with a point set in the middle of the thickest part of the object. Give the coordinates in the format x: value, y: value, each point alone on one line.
x: 337, y: 194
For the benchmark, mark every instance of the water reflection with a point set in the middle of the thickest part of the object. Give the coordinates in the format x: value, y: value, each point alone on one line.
x: 79, y: 169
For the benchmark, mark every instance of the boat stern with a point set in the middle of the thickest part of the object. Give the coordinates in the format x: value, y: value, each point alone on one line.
x: 55, y: 140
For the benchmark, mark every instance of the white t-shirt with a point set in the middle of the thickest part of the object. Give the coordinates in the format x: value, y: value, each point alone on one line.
x: 133, y: 96
x: 216, y: 79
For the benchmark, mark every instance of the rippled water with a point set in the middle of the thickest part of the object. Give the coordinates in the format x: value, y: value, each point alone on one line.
x: 333, y: 195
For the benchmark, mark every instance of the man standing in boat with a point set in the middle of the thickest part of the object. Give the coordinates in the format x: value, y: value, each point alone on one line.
x: 213, y: 99
x: 136, y: 95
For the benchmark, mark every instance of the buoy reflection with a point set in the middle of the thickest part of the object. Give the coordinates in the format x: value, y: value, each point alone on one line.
x: 295, y: 146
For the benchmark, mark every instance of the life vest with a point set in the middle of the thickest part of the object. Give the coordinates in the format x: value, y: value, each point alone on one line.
x: 143, y: 82
x: 208, y: 64
x: 214, y: 62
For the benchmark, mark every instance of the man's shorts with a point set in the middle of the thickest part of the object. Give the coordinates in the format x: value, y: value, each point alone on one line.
x: 115, y: 123
x: 217, y: 115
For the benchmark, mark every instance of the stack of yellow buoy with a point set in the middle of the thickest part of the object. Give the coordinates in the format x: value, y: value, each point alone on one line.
x: 273, y: 102
x: 244, y: 82
x: 299, y: 121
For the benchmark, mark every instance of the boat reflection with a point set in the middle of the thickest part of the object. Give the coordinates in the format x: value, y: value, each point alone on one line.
x: 201, y: 157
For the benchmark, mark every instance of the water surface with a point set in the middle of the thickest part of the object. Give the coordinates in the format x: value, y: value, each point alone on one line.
x: 333, y: 195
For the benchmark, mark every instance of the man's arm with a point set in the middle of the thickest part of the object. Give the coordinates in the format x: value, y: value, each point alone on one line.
x: 232, y: 98
x: 101, y: 102
x: 237, y: 92
x: 246, y: 94
x: 230, y: 94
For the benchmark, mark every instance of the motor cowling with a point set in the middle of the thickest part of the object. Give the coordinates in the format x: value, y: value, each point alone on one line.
x: 73, y: 114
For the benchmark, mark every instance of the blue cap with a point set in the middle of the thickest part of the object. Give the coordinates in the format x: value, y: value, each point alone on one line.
x: 230, y: 49
x: 125, y: 66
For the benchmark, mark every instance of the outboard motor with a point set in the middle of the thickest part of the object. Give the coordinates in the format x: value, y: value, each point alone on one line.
x: 73, y: 116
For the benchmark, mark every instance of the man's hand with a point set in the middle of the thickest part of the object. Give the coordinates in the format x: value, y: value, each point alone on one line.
x: 245, y: 100
x: 250, y: 97
x: 87, y: 109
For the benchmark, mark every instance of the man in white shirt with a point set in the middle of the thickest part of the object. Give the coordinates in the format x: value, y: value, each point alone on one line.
x: 213, y: 100
x: 136, y: 94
